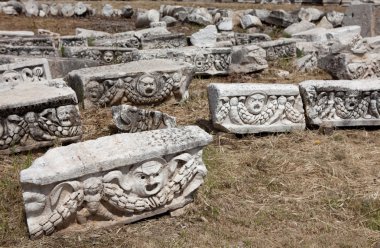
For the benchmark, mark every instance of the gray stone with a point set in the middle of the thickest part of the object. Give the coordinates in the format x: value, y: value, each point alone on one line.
x: 247, y: 59
x: 200, y: 16
x: 121, y: 41
x: 255, y: 108
x: 324, y: 23
x: 307, y: 63
x: 31, y: 8
x: 4, y: 33
x: 281, y: 18
x: 127, y: 11
x: 145, y: 32
x: 82, y: 32
x: 80, y: 9
x: 33, y: 51
x: 104, y: 55
x: 164, y: 41
x: 341, y: 103
x: 262, y: 14
x: 60, y: 67
x: 279, y: 49
x: 245, y: 39
x: 138, y: 82
x: 158, y: 24
x: 310, y: 14
x: 225, y: 24
x: 120, y: 176
x: 72, y: 41
x: 205, y: 37
x: 363, y: 16
x: 130, y: 119
x: 249, y: 21
x: 55, y: 9
x: 322, y: 34
x: 299, y: 27
x: 46, y: 32
x: 206, y: 61
x: 107, y: 10
x: 67, y: 10
x: 28, y: 41
x: 335, y: 18
x: 170, y: 21
x: 36, y: 113
x: 31, y: 70
x: 144, y: 18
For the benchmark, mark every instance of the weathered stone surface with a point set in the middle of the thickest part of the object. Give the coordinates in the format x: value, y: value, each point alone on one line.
x: 245, y: 39
x: 47, y: 32
x: 256, y: 108
x: 249, y: 21
x: 121, y: 41
x: 4, y: 33
x: 36, y: 113
x: 247, y: 59
x: 164, y: 41
x: 145, y: 32
x: 335, y: 18
x: 307, y: 63
x: 28, y: 41
x: 60, y: 67
x: 144, y: 18
x: 130, y: 119
x: 322, y: 34
x: 31, y: 70
x: 281, y: 18
x: 342, y: 102
x: 157, y: 24
x: 67, y: 10
x: 31, y: 8
x: 324, y: 23
x: 350, y: 66
x: 127, y: 11
x: 279, y: 49
x: 361, y: 15
x: 170, y: 21
x: 138, y: 82
x: 310, y: 14
x: 299, y: 27
x: 206, y: 61
x: 104, y: 55
x: 80, y: 9
x: 55, y: 9
x: 225, y: 24
x: 81, y: 32
x: 200, y: 16
x: 13, y: 7
x: 262, y: 14
x: 72, y: 41
x: 107, y: 10
x: 28, y: 51
x: 117, y: 179
x: 205, y: 37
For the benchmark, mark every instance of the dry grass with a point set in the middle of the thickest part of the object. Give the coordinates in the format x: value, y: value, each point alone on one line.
x: 300, y: 189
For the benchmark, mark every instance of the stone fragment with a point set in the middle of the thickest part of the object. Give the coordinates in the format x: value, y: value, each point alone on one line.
x: 362, y: 15
x: 247, y: 59
x: 206, y: 61
x: 200, y: 16
x: 205, y: 37
x: 31, y: 8
x: 107, y: 10
x: 255, y: 108
x: 157, y: 24
x: 299, y: 27
x: 127, y: 11
x: 33, y: 51
x: 105, y: 55
x: 138, y: 82
x: 307, y: 63
x: 4, y: 33
x: 82, y: 32
x: 310, y: 14
x: 281, y: 18
x: 36, y: 113
x: 28, y: 41
x: 170, y: 21
x: 164, y: 41
x: 262, y: 14
x: 31, y: 70
x: 350, y: 66
x: 335, y: 18
x: 55, y: 9
x: 245, y: 39
x: 279, y: 49
x: 324, y: 23
x: 249, y: 21
x: 225, y: 24
x: 72, y: 41
x: 117, y: 41
x: 113, y: 180
x: 130, y: 119
x: 322, y: 34
x: 341, y: 103
x: 283, y: 74
x: 144, y: 32
x: 80, y: 9
x: 44, y: 10
x: 67, y: 10
x: 13, y: 8
x: 144, y: 18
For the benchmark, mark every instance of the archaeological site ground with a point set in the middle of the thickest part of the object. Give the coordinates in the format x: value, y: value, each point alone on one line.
x: 221, y: 123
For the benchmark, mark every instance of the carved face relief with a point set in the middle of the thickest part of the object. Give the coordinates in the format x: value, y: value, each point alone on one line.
x: 147, y: 85
x: 92, y: 186
x: 64, y: 115
x: 108, y: 56
x: 148, y: 178
x: 200, y: 61
x: 351, y: 100
x: 255, y: 103
x: 11, y: 77
x: 94, y: 91
x: 31, y: 117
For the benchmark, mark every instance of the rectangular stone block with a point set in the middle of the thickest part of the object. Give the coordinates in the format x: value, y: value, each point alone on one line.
x: 279, y: 49
x: 255, y: 108
x: 30, y: 70
x: 27, y: 41
x: 363, y: 16
x: 113, y: 180
x: 206, y: 61
x: 36, y: 114
x: 245, y: 39
x: 163, y: 41
x: 138, y: 83
x: 72, y: 41
x: 341, y: 103
x: 105, y: 55
x: 5, y: 33
x: 119, y: 41
x: 28, y: 51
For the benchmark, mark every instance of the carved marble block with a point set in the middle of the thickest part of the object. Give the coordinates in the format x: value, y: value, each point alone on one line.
x: 131, y: 119
x: 254, y: 108
x: 33, y: 70
x: 206, y: 61
x: 279, y: 49
x: 36, y: 113
x: 105, y: 55
x: 245, y: 39
x: 72, y: 41
x: 117, y: 41
x: 138, y: 83
x: 342, y: 102
x: 163, y: 41
x: 113, y: 180
x: 27, y: 41
x: 37, y: 51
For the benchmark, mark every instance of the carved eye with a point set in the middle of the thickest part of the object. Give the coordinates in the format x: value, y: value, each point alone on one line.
x: 156, y: 175
x: 142, y: 177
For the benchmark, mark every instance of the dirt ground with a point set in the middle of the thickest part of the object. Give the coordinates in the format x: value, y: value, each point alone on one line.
x: 301, y: 189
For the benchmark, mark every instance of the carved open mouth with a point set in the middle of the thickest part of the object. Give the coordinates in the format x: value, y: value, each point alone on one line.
x: 352, y: 105
x: 257, y: 106
x: 149, y: 91
x: 151, y: 187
